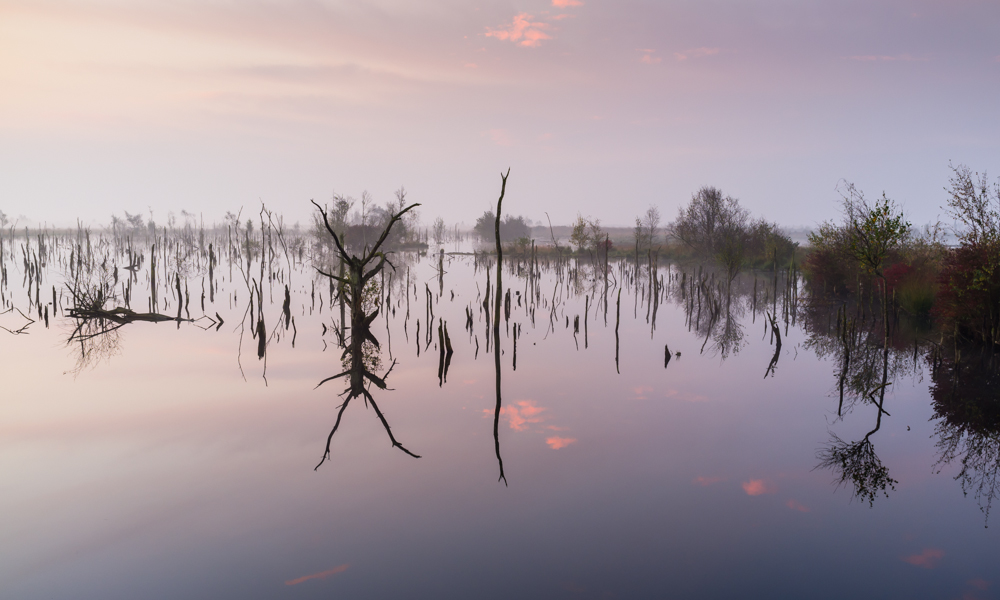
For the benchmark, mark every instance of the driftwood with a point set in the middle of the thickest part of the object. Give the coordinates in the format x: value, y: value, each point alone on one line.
x: 122, y: 316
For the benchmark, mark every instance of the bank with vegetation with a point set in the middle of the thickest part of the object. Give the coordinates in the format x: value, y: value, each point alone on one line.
x: 875, y: 253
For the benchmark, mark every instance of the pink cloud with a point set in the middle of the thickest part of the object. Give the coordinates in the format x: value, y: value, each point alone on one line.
x: 928, y: 559
x: 756, y: 487
x: 883, y: 57
x: 792, y: 504
x: 696, y: 53
x: 559, y: 442
x: 500, y: 137
x: 566, y: 3
x: 647, y: 56
x: 522, y: 30
x: 321, y: 575
x: 706, y: 481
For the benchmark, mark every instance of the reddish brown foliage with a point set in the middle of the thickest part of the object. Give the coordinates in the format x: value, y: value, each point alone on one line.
x: 969, y: 297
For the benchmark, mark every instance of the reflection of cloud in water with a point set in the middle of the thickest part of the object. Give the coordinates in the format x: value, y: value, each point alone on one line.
x: 320, y: 575
x: 794, y: 505
x: 706, y: 481
x: 557, y: 442
x: 928, y: 559
x: 521, y: 414
x: 756, y: 487
x: 641, y: 391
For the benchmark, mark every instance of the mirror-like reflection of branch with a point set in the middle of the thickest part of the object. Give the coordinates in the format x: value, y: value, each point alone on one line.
x: 496, y: 325
x: 856, y: 462
x: 618, y: 318
x: 361, y: 356
x: 96, y: 326
x: 776, y: 333
x: 23, y: 329
x: 729, y: 337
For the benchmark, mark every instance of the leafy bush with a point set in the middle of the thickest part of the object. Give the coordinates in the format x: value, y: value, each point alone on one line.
x: 969, y: 300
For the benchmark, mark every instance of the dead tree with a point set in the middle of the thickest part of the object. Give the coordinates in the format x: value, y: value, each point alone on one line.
x: 358, y: 272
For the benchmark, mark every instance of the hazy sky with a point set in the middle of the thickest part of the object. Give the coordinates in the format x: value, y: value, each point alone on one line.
x: 597, y: 107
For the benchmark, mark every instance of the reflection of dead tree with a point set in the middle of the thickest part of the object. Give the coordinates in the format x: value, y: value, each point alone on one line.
x: 857, y: 463
x: 618, y: 318
x: 96, y: 327
x: 28, y: 321
x: 496, y: 324
x: 358, y: 355
x: 444, y: 362
x: 776, y: 332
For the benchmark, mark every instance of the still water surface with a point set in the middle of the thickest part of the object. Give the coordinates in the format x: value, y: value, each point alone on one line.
x: 173, y: 465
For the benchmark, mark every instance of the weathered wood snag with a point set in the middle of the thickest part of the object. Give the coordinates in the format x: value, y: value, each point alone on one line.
x: 356, y: 273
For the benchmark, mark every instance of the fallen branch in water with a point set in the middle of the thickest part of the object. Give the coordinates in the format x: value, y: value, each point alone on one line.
x: 122, y: 316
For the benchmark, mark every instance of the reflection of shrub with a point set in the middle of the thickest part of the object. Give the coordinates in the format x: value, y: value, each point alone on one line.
x: 967, y: 410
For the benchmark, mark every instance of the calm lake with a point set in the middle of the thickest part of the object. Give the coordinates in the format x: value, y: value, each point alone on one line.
x: 167, y: 460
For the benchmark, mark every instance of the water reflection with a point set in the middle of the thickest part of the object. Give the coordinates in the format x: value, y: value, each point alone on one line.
x: 17, y: 326
x: 776, y: 336
x: 98, y: 314
x: 362, y: 355
x: 559, y: 291
x: 496, y: 325
x: 862, y: 356
x: 966, y: 396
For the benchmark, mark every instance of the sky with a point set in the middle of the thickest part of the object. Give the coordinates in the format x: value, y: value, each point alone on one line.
x: 598, y: 108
